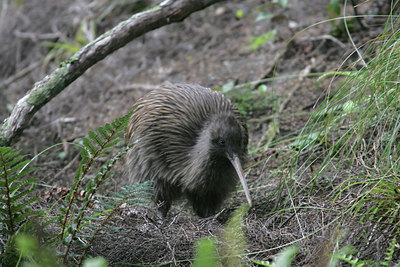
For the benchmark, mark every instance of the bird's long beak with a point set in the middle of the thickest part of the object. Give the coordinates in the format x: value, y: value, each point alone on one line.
x: 238, y: 167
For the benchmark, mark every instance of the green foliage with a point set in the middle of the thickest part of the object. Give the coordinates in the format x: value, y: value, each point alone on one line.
x: 345, y: 253
x: 248, y: 100
x: 78, y: 220
x: 95, y: 262
x: 334, y: 8
x: 233, y: 239
x: 283, y: 3
x: 353, y: 261
x: 389, y: 253
x: 33, y: 254
x: 14, y: 191
x: 283, y: 259
x: 73, y: 219
x: 264, y: 15
x: 61, y: 50
x: 340, y: 26
x: 231, y: 244
x: 239, y: 13
x: 258, y: 41
x: 206, y: 254
x: 353, y: 136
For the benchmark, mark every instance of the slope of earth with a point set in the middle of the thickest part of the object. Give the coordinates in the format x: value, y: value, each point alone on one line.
x: 213, y: 47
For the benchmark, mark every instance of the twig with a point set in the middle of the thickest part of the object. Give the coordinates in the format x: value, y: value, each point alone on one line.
x: 327, y: 37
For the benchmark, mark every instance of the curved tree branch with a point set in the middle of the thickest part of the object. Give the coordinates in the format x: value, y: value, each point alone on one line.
x: 167, y: 12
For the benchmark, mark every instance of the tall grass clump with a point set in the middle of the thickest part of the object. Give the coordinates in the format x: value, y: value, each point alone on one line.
x: 349, y: 149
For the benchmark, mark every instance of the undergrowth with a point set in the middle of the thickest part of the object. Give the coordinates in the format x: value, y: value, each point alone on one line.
x: 354, y: 136
x: 353, y: 139
x: 82, y: 213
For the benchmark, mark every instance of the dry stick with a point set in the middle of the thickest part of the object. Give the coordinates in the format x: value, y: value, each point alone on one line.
x: 167, y: 12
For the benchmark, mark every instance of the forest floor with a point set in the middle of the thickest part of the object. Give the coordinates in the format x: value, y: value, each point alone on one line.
x: 213, y: 47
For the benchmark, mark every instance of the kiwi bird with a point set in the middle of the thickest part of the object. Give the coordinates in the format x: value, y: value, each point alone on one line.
x: 191, y: 142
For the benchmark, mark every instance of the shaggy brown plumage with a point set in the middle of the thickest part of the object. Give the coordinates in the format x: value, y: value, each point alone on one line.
x: 191, y: 141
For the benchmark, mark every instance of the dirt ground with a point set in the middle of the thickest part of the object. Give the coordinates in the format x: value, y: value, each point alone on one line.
x: 209, y: 48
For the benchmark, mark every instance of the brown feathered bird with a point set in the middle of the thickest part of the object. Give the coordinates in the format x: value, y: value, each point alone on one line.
x: 191, y: 141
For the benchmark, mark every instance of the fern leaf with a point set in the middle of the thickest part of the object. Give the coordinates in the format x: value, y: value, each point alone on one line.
x: 7, y: 153
x: 19, y: 207
x: 13, y: 175
x: 113, y: 143
x: 6, y: 231
x: 17, y: 186
x: 103, y: 133
x: 89, y: 146
x: 14, y: 192
x: 94, y: 137
x: 27, y: 213
x: 9, y: 162
x: 118, y: 125
x: 20, y: 195
x: 24, y: 173
x: 109, y: 128
x: 4, y: 211
x: 389, y: 253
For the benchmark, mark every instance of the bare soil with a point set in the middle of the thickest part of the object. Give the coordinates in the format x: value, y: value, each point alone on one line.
x: 208, y: 48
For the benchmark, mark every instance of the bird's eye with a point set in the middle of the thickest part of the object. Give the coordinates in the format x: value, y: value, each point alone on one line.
x: 221, y: 142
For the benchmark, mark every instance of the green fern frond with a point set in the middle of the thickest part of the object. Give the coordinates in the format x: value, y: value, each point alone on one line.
x: 130, y: 194
x: 389, y: 253
x: 95, y: 148
x: 15, y: 190
x: 91, y: 149
x: 94, y: 137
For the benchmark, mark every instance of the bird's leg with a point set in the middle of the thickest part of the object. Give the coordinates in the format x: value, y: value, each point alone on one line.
x: 165, y: 193
x: 204, y: 205
x: 163, y: 208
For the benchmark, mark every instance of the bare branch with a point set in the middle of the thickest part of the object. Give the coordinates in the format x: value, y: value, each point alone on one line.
x: 43, y: 91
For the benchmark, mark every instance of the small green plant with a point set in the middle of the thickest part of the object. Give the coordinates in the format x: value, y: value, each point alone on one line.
x: 233, y: 239
x: 248, y: 100
x: 239, y: 13
x: 61, y: 50
x: 389, y: 261
x: 260, y: 40
x: 339, y: 26
x: 334, y: 8
x: 32, y: 253
x: 229, y: 248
